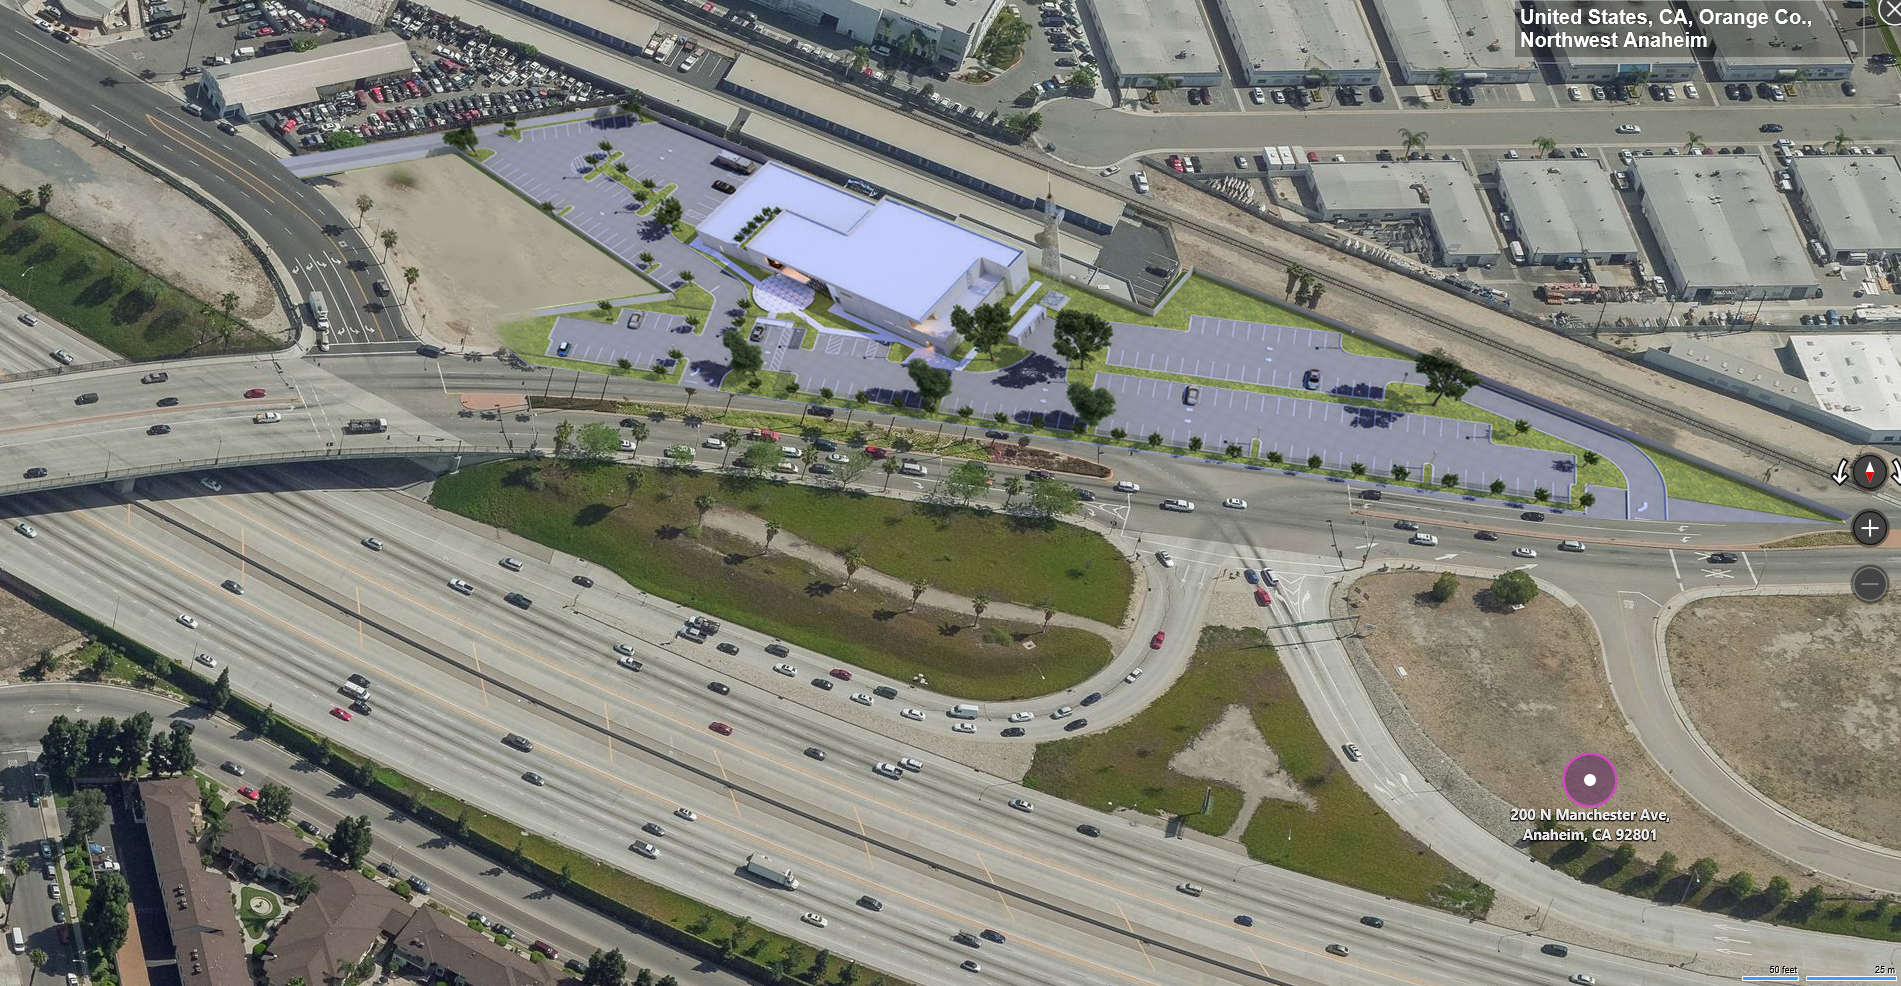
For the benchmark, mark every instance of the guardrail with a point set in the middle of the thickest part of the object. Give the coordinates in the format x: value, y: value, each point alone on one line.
x: 446, y: 446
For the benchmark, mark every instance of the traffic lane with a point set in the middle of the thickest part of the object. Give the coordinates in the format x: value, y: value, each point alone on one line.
x: 25, y: 348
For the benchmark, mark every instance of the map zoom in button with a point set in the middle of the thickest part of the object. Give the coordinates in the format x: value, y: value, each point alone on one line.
x: 1869, y: 584
x: 1870, y: 527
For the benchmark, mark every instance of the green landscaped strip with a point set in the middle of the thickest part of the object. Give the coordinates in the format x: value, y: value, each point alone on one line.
x: 529, y: 338
x: 684, y: 232
x: 654, y: 198
x: 1685, y: 481
x: 105, y: 297
x: 1344, y: 839
x: 1003, y: 356
x: 898, y: 352
x: 811, y: 336
x: 770, y: 383
x: 603, y: 167
x: 652, y: 539
x: 821, y: 311
x: 484, y: 153
x: 1201, y: 296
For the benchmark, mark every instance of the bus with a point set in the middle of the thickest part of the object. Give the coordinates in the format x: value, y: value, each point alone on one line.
x: 733, y: 162
x: 319, y: 311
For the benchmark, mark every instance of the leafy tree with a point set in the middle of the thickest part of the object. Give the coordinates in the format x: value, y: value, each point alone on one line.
x: 351, y: 840
x: 1665, y: 867
x: 85, y: 813
x: 273, y: 801
x: 1314, y: 461
x: 102, y: 749
x: 821, y: 964
x: 1445, y: 587
x: 986, y: 327
x: 932, y: 383
x: 1541, y: 494
x: 1498, y: 486
x: 1091, y: 405
x: 843, y: 473
x: 668, y: 214
x: 1155, y: 439
x: 967, y: 480
x: 1445, y: 376
x: 1778, y: 891
x: 1080, y: 335
x: 605, y: 969
x: 759, y: 457
x: 599, y: 440
x: 1810, y: 899
x: 337, y: 140
x: 1053, y: 498
x: 1587, y: 499
x: 743, y: 356
x: 1194, y: 443
x: 1703, y: 870
x: 63, y: 748
x: 1623, y: 857
x: 1401, y: 472
x: 1449, y: 480
x: 184, y: 757
x: 1023, y: 124
x: 1514, y: 589
x: 919, y: 586
x: 1740, y: 884
x: 462, y: 139
x: 159, y: 756
x: 108, y: 912
x: 220, y: 693
x: 563, y: 435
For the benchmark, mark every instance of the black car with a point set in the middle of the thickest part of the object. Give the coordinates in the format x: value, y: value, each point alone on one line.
x: 1372, y: 495
x: 778, y: 650
x: 168, y: 402
x: 418, y: 884
x: 86, y: 399
x: 362, y: 706
x: 388, y: 868
x: 825, y: 683
x: 36, y: 472
x: 1013, y: 731
x: 729, y: 648
x: 990, y: 934
x: 1084, y: 495
x: 1074, y: 724
x: 1771, y: 128
x: 1487, y: 535
x: 359, y: 681
x: 719, y: 688
x: 1092, y: 698
x: 1376, y: 94
x: 815, y: 753
x: 870, y: 903
x: 966, y: 938
x: 584, y: 582
x: 159, y: 430
x: 1556, y: 949
x: 1089, y: 830
x: 1723, y: 558
x: 1533, y: 516
x: 427, y: 350
x: 517, y: 599
x: 724, y: 187
x: 1373, y: 922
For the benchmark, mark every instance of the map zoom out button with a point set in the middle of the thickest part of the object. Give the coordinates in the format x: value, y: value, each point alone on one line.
x: 1869, y: 527
x: 1869, y: 584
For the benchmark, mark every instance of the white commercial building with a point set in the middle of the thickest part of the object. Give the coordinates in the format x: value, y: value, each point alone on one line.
x: 1850, y: 384
x: 1853, y: 202
x: 1471, y: 40
x: 1566, y: 210
x: 1440, y: 192
x: 1291, y: 42
x: 1668, y: 62
x: 1722, y: 229
x: 943, y: 33
x: 1141, y: 42
x: 1808, y: 44
x: 295, y: 78
x: 884, y: 262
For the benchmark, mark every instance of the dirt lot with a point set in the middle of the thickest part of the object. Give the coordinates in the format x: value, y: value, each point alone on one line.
x: 97, y: 192
x: 483, y: 253
x: 1233, y: 751
x: 1513, y: 697
x: 1802, y: 696
x: 25, y: 631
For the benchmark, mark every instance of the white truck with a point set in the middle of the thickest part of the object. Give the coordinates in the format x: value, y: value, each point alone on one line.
x: 761, y: 865
x: 319, y: 311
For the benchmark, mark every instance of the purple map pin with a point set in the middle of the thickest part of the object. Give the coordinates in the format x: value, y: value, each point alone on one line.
x: 1589, y: 780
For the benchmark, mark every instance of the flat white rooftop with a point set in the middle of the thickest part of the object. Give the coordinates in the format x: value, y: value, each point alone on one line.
x: 1856, y: 200
x: 1566, y: 206
x: 1442, y: 189
x: 1855, y: 376
x: 1462, y: 35
x: 886, y: 251
x: 1320, y: 35
x: 1722, y: 221
x: 1156, y: 37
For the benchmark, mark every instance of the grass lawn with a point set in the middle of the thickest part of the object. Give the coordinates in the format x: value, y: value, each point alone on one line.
x: 602, y: 168
x: 769, y: 382
x: 684, y: 232
x: 821, y: 310
x: 529, y: 337
x: 898, y: 352
x: 1689, y: 482
x: 106, y: 297
x: 1201, y: 296
x: 484, y: 153
x: 654, y: 198
x: 1002, y: 356
x: 1346, y: 839
x: 655, y: 543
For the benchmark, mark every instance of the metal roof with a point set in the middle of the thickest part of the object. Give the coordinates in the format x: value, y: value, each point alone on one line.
x: 1565, y: 206
x: 1855, y: 200
x: 1462, y: 35
x: 1855, y: 376
x: 1459, y: 216
x: 1156, y: 37
x: 293, y: 78
x: 1722, y: 222
x: 1321, y: 35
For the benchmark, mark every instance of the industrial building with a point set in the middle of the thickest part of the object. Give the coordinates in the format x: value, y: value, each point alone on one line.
x: 1722, y: 229
x: 1853, y: 203
x: 1565, y: 211
x: 1293, y: 42
x: 884, y: 263
x: 249, y: 89
x: 1850, y: 384
x: 1143, y: 42
x: 365, y: 15
x: 1622, y: 64
x: 946, y: 35
x: 1808, y: 45
x: 1440, y: 192
x: 1436, y: 41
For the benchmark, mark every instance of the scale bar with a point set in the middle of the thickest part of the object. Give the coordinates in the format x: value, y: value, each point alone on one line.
x: 1852, y: 979
x: 1772, y: 979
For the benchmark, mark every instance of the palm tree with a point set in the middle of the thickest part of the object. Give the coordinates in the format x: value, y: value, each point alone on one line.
x: 388, y: 237
x: 1401, y: 472
x: 45, y: 193
x: 363, y: 205
x: 228, y: 302
x: 854, y: 557
x: 860, y: 57
x: 703, y: 503
x: 772, y: 531
x: 918, y: 587
x: 979, y: 603
x: 1693, y: 140
x: 1444, y: 78
x: 410, y: 274
x: 690, y: 391
x: 1841, y: 141
x: 687, y: 276
x: 1313, y: 297
x: 1412, y: 140
x: 1049, y: 612
x: 1546, y: 146
x: 1294, y: 273
x: 635, y: 476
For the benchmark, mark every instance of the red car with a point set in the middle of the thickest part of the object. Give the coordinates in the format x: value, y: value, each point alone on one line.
x: 254, y: 392
x: 1261, y: 596
x: 266, y: 31
x: 249, y: 792
x: 841, y: 674
x: 721, y: 728
x: 340, y: 712
x: 875, y: 452
x: 1176, y: 163
x: 1155, y: 642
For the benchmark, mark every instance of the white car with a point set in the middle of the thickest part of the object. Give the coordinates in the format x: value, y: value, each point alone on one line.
x: 624, y: 648
x: 713, y: 443
x: 627, y: 661
x: 1062, y: 713
x: 374, y: 544
x: 1167, y: 560
x: 1235, y: 503
x: 1257, y: 94
x: 1583, y: 980
x: 1022, y: 805
x: 1141, y: 182
x: 837, y: 457
x: 1689, y: 90
x: 267, y: 418
x: 1182, y: 506
x: 646, y: 849
x: 211, y: 484
x: 187, y: 621
x: 911, y: 764
x: 1127, y: 487
x: 1022, y: 716
x: 626, y: 446
x: 207, y: 660
x: 1576, y: 95
x: 65, y: 358
x: 963, y: 727
x: 1427, y: 540
x: 1110, y: 170
x: 686, y: 813
x: 27, y: 530
x: 889, y: 770
x: 913, y: 715
x: 1524, y: 552
x: 1629, y: 128
x: 861, y: 698
x: 814, y: 920
x: 462, y: 587
x: 1353, y: 752
x: 1129, y: 679
x: 786, y: 669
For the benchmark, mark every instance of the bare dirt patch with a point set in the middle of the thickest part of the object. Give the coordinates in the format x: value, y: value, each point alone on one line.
x: 483, y: 254
x: 26, y: 630
x: 97, y: 192
x: 1513, y: 697
x: 1232, y: 751
x: 1802, y: 696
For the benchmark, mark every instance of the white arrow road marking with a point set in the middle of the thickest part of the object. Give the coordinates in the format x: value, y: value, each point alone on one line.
x: 1447, y: 557
x: 1734, y: 941
x: 1728, y: 951
x: 1523, y: 568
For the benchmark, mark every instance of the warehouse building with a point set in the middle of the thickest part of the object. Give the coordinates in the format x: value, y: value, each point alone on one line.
x: 1439, y: 192
x: 946, y: 35
x: 1468, y: 40
x: 1566, y: 211
x: 1723, y: 230
x: 1293, y: 42
x: 1771, y: 52
x: 1850, y: 384
x: 1142, y: 42
x: 1669, y: 63
x: 1852, y: 203
x: 884, y: 263
x: 250, y: 89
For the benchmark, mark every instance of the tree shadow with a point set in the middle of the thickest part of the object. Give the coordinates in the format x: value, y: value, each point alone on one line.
x: 592, y: 514
x: 950, y: 629
x: 884, y: 615
x: 819, y: 588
